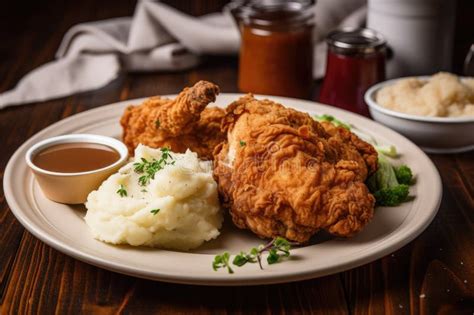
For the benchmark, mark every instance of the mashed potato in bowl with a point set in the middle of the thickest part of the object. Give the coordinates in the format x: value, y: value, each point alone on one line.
x: 443, y: 95
x: 177, y: 208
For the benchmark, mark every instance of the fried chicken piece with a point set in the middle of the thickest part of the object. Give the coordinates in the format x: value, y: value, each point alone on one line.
x: 366, y: 150
x: 179, y: 124
x: 280, y: 173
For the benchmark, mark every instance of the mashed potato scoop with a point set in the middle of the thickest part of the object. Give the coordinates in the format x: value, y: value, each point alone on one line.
x: 159, y: 199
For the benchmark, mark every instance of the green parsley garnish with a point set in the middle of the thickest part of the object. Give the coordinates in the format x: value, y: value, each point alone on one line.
x: 149, y: 168
x: 243, y: 258
x: 242, y: 143
x: 157, y: 123
x: 222, y: 261
x: 121, y: 191
x: 155, y: 211
x: 277, y: 249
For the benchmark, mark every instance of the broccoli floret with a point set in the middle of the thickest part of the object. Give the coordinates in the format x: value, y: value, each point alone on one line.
x: 384, y: 177
x: 392, y: 196
x: 404, y: 174
x: 385, y: 184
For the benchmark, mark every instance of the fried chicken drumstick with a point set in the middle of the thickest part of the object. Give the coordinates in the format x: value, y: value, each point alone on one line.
x: 179, y: 124
x: 280, y: 173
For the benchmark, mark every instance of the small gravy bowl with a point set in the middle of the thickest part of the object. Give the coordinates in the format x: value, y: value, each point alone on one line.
x: 73, y: 188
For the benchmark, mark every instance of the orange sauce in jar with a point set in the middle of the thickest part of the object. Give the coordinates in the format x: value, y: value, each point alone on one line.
x: 276, y: 53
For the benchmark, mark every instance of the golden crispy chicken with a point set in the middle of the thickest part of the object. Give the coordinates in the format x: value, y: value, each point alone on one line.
x: 281, y: 173
x: 179, y: 124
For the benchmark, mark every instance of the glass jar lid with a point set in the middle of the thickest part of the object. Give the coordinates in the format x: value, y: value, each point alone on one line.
x: 350, y: 40
x: 266, y: 13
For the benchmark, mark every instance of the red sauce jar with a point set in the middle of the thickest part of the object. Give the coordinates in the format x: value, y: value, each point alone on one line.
x: 276, y: 53
x: 355, y: 61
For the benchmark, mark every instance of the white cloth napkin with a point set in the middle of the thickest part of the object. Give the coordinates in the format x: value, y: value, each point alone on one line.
x: 156, y: 38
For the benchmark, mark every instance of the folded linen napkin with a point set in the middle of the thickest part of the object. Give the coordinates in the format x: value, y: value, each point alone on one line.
x: 156, y: 38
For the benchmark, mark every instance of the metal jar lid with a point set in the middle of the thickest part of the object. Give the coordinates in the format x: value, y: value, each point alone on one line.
x: 268, y: 12
x: 360, y: 41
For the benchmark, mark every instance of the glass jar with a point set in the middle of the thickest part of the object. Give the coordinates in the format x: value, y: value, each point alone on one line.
x: 276, y: 53
x: 355, y: 61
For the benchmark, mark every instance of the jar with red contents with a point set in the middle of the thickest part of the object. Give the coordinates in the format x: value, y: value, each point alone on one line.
x: 355, y: 61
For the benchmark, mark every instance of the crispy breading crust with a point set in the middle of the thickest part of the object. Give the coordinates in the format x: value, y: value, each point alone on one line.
x: 280, y: 173
x: 179, y: 124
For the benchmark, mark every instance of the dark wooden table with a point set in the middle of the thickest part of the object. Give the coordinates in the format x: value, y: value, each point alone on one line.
x: 432, y: 274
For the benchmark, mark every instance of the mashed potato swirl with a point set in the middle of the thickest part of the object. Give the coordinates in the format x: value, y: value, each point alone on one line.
x: 177, y: 209
x: 443, y: 95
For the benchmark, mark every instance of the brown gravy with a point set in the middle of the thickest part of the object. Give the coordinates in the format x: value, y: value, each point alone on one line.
x: 75, y: 157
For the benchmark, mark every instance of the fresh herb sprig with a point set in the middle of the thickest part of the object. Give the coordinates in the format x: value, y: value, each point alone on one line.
x: 222, y: 261
x: 277, y: 249
x: 149, y: 168
x: 155, y: 211
x: 122, y: 191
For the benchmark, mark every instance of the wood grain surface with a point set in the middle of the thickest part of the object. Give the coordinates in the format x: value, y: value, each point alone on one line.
x: 434, y: 274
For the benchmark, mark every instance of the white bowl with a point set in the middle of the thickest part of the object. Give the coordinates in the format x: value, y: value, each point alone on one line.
x: 73, y: 188
x: 432, y: 134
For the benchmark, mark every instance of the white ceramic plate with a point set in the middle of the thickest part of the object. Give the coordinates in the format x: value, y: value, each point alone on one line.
x: 63, y: 227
